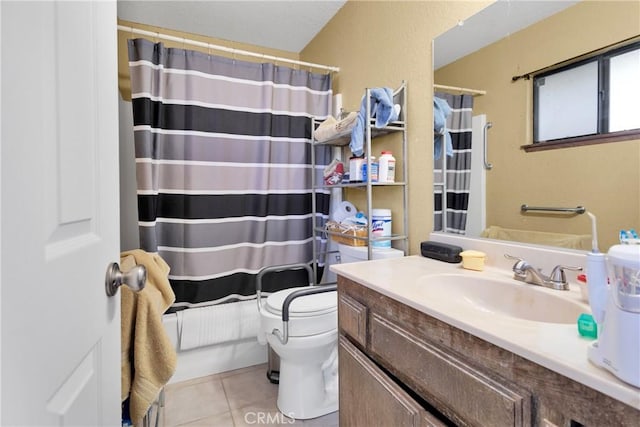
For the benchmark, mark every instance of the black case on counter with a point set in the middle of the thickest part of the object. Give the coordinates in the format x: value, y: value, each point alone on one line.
x: 441, y: 251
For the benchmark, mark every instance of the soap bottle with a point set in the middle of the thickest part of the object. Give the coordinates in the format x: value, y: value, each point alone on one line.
x: 355, y: 169
x: 374, y: 170
x: 386, y: 167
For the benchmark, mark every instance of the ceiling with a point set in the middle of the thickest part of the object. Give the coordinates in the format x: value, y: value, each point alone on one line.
x: 286, y: 25
x: 491, y: 24
x: 290, y: 25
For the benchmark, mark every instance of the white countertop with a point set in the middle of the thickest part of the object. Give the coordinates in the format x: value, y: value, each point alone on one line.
x: 555, y: 346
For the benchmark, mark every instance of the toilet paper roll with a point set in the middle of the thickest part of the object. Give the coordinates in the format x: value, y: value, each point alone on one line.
x: 343, y: 210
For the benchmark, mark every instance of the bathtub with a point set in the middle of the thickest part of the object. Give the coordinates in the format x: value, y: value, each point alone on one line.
x: 212, y: 359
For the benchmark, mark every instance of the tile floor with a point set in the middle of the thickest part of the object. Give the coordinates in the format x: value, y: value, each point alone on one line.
x: 243, y: 397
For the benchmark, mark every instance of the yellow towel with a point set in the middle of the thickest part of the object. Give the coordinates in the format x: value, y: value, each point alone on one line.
x: 148, y: 356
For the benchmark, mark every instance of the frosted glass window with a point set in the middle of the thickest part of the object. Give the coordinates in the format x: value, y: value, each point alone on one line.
x: 567, y: 103
x: 624, y: 91
x: 590, y: 101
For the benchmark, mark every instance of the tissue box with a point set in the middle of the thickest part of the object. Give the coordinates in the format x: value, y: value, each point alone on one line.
x: 441, y: 251
x: 473, y: 260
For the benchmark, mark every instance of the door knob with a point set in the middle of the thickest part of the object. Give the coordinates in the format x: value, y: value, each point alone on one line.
x: 134, y: 278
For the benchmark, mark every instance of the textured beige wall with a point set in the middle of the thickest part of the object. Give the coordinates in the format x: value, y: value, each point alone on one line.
x: 604, y: 178
x: 379, y: 44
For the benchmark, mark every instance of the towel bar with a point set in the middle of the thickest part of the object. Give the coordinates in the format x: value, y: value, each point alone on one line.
x: 158, y: 404
x: 576, y: 210
x: 486, y: 127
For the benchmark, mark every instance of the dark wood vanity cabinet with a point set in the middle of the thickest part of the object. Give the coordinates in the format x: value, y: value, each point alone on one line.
x: 401, y: 367
x: 373, y: 398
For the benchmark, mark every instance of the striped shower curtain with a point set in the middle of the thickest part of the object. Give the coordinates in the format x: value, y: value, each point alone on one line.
x: 458, y: 167
x: 223, y: 169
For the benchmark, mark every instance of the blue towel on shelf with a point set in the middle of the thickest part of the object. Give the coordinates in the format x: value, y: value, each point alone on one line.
x: 382, y: 109
x: 441, y: 111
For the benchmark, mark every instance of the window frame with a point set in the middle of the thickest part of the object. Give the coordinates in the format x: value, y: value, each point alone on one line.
x: 602, y: 134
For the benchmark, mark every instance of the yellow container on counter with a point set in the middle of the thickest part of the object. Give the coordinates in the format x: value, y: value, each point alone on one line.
x: 473, y: 260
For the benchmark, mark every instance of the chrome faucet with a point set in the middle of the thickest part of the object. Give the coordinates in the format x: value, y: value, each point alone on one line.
x: 525, y: 272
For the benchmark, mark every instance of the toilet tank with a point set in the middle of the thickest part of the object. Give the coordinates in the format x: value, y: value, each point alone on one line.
x: 359, y: 253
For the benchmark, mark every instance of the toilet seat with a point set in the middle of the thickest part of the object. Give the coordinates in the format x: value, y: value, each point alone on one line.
x: 305, y: 306
x: 308, y: 315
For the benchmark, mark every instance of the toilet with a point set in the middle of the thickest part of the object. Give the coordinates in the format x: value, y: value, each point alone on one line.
x: 360, y: 253
x: 308, y: 382
x: 307, y: 342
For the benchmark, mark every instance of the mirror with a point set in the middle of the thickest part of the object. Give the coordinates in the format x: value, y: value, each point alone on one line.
x: 482, y: 53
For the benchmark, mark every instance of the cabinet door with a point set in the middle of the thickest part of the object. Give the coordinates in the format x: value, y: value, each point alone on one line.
x: 369, y: 398
x: 352, y: 318
x: 451, y: 385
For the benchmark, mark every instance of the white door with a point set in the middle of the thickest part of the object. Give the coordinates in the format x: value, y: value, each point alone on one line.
x: 59, y: 211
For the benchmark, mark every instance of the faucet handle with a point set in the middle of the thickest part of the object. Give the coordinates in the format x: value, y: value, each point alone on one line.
x: 558, y: 276
x: 520, y: 264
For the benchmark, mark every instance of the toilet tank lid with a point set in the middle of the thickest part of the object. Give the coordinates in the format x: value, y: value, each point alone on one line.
x: 361, y: 252
x: 308, y: 305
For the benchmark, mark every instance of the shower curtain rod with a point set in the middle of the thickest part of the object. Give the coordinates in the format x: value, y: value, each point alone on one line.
x: 183, y: 40
x: 473, y: 92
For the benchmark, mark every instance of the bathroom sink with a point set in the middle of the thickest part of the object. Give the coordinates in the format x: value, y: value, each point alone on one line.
x: 498, y: 296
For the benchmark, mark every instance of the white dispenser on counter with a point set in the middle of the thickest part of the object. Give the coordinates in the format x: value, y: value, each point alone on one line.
x: 614, y: 296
